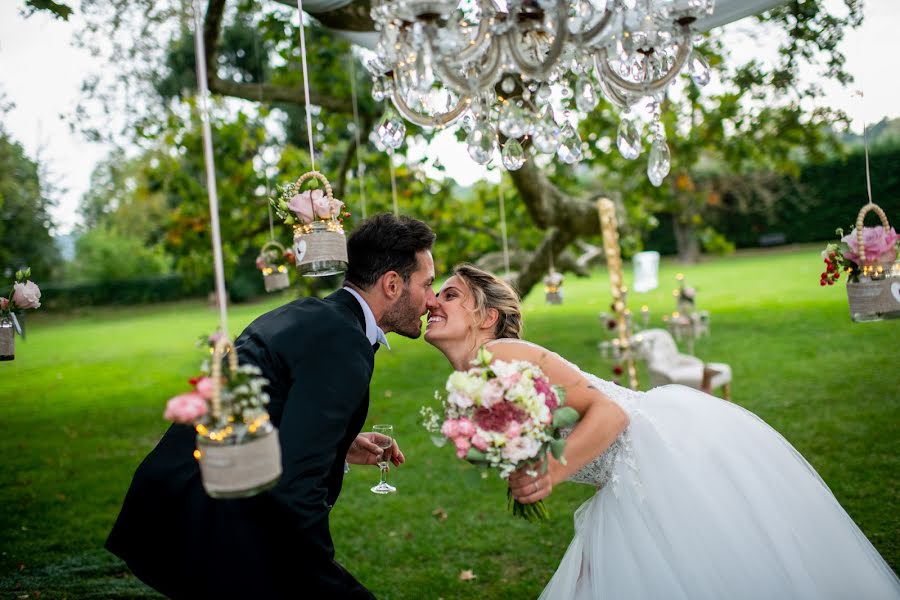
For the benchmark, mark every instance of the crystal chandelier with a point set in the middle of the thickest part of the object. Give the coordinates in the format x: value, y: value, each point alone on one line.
x: 521, y: 72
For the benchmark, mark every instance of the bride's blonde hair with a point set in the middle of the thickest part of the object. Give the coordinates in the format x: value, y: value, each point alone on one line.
x: 489, y: 291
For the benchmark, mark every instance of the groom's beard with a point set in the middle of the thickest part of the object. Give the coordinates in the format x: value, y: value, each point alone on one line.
x: 403, y: 318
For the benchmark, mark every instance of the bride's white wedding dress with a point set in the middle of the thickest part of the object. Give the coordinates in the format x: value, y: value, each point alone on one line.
x: 700, y: 499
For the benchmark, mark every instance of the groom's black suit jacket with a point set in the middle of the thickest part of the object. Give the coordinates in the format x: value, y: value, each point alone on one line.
x: 276, y: 544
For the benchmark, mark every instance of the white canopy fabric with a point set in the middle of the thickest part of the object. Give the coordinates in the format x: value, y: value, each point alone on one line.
x: 726, y: 11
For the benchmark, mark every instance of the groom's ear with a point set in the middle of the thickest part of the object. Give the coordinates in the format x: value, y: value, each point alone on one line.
x: 391, y: 285
x: 490, y: 321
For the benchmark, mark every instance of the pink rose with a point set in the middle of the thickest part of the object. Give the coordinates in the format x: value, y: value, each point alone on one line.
x: 260, y: 263
x: 462, y: 446
x: 513, y: 430
x: 185, y: 408
x: 521, y: 448
x: 466, y: 428
x: 4, y: 303
x: 204, y: 387
x: 215, y: 337
x: 450, y: 428
x: 314, y: 204
x: 880, y: 245
x: 26, y: 295
x: 479, y: 442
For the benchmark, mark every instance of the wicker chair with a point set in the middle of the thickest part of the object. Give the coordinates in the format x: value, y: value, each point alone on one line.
x: 667, y: 365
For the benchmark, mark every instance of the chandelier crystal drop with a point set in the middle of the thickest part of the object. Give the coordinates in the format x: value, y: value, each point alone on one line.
x: 507, y: 66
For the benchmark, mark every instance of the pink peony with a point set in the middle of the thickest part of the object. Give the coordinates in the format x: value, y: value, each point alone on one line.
x: 185, y: 408
x: 880, y: 245
x: 204, y: 387
x: 462, y: 446
x: 26, y: 295
x: 491, y: 394
x: 521, y: 448
x: 4, y: 303
x: 510, y: 380
x: 542, y: 386
x: 466, y: 428
x: 450, y: 428
x: 513, y: 430
x: 479, y: 442
x: 312, y: 204
x: 499, y: 416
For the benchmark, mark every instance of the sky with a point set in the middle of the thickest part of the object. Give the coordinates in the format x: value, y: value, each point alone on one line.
x: 41, y: 72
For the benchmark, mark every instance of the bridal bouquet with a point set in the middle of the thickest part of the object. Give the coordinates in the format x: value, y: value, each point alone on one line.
x: 504, y: 415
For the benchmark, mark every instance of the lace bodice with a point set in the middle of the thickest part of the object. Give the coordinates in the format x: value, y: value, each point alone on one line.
x: 599, y: 471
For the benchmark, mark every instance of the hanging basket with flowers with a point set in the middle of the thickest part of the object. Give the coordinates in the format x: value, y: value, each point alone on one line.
x: 25, y: 294
x: 868, y: 255
x: 273, y: 261
x: 553, y: 282
x: 320, y: 247
x: 237, y: 445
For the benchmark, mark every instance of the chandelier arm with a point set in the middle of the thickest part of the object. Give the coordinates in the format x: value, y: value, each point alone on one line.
x: 438, y: 120
x: 597, y: 30
x: 477, y: 47
x: 611, y: 93
x: 645, y: 87
x: 541, y: 70
x: 465, y: 86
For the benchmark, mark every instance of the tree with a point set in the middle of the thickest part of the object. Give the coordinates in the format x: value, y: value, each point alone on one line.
x: 25, y: 225
x: 733, y: 133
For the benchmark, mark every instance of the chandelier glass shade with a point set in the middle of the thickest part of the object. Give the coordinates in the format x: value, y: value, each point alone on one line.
x: 518, y: 74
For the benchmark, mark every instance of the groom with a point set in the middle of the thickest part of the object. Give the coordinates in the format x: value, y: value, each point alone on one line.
x: 318, y: 356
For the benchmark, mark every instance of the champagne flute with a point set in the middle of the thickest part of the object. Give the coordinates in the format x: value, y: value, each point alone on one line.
x: 384, y: 440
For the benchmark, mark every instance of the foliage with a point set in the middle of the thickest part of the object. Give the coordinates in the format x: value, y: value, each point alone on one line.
x: 69, y: 296
x: 65, y: 477
x: 105, y: 254
x: 25, y: 225
x: 57, y: 9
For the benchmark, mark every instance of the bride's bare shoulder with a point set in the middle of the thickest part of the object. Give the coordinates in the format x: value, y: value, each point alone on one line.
x: 515, y: 349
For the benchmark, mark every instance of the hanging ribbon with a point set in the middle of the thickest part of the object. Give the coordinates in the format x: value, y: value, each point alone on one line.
x: 503, y: 227
x: 360, y: 166
x: 393, y: 182
x: 200, y: 50
x: 309, y: 129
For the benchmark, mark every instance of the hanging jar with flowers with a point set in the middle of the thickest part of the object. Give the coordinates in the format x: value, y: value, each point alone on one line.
x: 320, y: 247
x: 868, y: 256
x: 237, y: 445
x: 272, y: 262
x: 24, y: 295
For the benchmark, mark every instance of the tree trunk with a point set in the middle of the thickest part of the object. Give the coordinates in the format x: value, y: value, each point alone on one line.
x: 686, y: 239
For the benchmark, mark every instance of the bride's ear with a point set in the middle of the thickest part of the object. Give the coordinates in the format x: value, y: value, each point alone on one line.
x: 490, y: 321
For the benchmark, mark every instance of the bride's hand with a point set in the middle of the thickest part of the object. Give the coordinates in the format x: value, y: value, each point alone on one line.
x: 528, y: 489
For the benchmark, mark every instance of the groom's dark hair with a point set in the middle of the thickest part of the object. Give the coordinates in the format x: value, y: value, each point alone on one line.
x: 385, y: 243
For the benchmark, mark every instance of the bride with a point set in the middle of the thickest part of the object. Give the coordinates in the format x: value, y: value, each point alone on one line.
x: 696, y: 498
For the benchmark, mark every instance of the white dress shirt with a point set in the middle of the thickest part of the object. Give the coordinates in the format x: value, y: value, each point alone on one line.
x: 373, y: 332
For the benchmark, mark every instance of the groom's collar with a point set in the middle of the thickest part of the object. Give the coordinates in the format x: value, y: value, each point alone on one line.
x: 373, y: 332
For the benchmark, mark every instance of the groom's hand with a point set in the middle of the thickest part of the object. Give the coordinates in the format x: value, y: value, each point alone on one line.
x: 364, y: 451
x: 528, y: 489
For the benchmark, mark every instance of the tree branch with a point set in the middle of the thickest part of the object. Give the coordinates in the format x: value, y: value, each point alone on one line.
x: 267, y: 92
x: 353, y: 17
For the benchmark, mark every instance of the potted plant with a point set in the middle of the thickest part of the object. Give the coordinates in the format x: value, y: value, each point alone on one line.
x: 320, y: 247
x: 868, y: 255
x: 24, y: 295
x: 237, y: 445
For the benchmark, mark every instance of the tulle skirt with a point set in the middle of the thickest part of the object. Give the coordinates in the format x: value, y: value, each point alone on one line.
x: 706, y: 501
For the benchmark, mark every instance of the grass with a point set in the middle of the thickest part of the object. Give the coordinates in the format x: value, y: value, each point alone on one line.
x: 81, y: 405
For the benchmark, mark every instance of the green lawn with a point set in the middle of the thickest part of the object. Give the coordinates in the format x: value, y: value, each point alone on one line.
x: 82, y: 404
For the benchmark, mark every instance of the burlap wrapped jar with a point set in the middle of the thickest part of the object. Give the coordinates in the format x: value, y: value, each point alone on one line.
x: 320, y: 247
x: 274, y: 278
x: 876, y: 295
x: 238, y: 460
